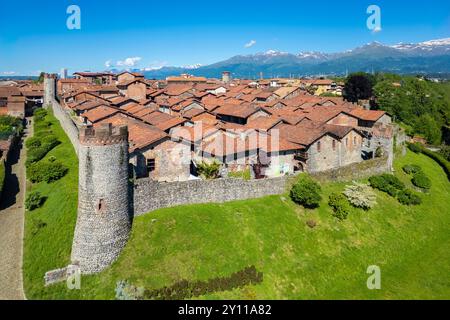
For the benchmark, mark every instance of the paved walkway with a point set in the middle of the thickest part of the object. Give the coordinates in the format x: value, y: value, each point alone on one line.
x: 12, y: 224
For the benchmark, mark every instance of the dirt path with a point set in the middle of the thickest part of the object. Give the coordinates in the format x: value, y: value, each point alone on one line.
x: 12, y: 225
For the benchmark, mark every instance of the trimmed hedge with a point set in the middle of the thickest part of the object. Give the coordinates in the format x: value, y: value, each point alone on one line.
x: 185, y: 289
x: 411, y: 169
x: 387, y: 183
x: 409, y: 198
x: 46, y: 171
x: 39, y: 147
x: 421, y: 180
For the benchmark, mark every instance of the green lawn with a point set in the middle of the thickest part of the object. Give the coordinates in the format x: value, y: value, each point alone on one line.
x: 47, y: 248
x: 198, y: 242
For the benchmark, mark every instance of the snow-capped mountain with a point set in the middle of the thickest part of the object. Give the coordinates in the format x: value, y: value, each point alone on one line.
x: 432, y: 47
x: 425, y: 57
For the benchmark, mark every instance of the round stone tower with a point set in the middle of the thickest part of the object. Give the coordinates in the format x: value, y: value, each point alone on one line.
x: 104, y: 218
x: 49, y: 89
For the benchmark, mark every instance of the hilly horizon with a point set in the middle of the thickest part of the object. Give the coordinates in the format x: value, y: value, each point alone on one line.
x: 429, y: 57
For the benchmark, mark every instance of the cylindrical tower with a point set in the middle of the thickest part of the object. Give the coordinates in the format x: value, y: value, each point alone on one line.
x: 49, y: 89
x: 104, y: 218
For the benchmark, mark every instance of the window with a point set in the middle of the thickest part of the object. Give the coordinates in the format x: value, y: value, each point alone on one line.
x: 346, y: 142
x: 354, y: 141
x: 100, y: 206
x: 151, y: 165
x: 318, y: 146
x: 334, y: 145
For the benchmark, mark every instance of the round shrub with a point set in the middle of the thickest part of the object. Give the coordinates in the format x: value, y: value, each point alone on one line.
x: 407, y: 197
x: 34, y: 200
x: 340, y: 205
x: 421, y: 180
x: 411, y: 169
x: 306, y: 192
x: 46, y: 171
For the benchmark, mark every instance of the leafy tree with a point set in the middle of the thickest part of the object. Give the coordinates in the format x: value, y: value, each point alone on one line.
x: 359, y: 86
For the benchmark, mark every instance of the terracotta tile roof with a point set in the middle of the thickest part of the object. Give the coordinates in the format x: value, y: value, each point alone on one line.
x: 284, y: 91
x: 126, y: 83
x: 122, y: 100
x: 206, y: 118
x: 98, y: 113
x: 195, y: 133
x: 145, y: 111
x: 186, y: 79
x: 140, y: 134
x: 192, y: 113
x: 263, y: 123
x: 162, y: 120
x: 89, y: 104
x: 177, y: 89
x: 225, y: 145
x: 241, y: 111
x: 368, y: 115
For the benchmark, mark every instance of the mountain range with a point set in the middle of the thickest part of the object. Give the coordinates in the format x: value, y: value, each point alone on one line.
x: 429, y: 57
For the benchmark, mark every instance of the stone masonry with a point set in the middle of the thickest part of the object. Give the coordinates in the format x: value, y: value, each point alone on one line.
x: 104, y: 216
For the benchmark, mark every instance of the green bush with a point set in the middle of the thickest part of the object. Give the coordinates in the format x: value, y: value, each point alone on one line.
x: 340, y: 205
x: 46, y: 171
x: 439, y: 159
x: 360, y: 195
x: 39, y: 115
x: 407, y: 197
x: 34, y: 200
x: 33, y: 142
x: 306, y: 192
x: 386, y: 183
x: 411, y: 168
x: 415, y: 147
x: 39, y: 150
x: 209, y: 170
x: 421, y: 180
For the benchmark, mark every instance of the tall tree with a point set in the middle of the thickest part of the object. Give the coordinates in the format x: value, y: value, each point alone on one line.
x: 359, y: 86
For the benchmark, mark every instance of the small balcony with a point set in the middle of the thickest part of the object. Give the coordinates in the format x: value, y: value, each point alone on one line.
x: 301, y: 156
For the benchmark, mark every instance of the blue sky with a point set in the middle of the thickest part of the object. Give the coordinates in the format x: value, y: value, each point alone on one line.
x: 34, y: 36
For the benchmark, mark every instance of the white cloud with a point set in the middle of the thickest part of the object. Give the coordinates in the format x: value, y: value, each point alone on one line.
x: 129, y: 62
x: 108, y: 64
x: 250, y: 44
x: 8, y: 73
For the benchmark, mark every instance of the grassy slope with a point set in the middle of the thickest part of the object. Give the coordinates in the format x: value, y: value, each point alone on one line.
x: 50, y: 247
x: 410, y: 244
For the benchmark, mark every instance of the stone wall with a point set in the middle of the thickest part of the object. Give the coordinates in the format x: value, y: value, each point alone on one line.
x: 355, y: 171
x: 151, y: 195
x: 66, y: 123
